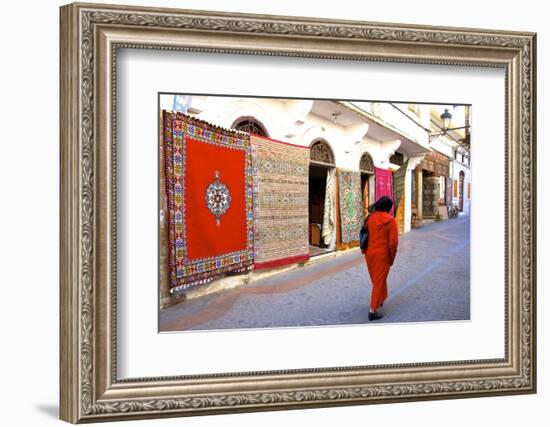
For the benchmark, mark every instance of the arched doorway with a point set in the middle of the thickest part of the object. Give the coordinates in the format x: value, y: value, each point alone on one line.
x: 461, y: 191
x: 321, y: 199
x: 366, y: 167
x: 250, y: 125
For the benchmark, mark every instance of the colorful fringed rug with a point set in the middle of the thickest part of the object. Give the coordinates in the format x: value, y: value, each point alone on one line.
x: 281, y: 174
x: 209, y: 199
x: 351, y: 215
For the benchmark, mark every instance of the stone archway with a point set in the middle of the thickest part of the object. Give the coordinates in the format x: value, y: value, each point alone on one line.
x: 321, y: 153
x: 250, y: 125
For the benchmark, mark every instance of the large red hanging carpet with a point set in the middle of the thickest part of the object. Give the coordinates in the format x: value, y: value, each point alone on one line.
x: 209, y: 200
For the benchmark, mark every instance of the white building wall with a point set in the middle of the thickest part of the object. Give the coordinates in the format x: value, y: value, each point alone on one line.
x: 443, y: 146
x: 424, y: 117
x: 396, y: 116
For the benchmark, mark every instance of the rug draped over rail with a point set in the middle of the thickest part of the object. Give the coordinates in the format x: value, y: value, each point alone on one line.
x: 208, y: 174
x: 281, y: 185
x: 351, y: 212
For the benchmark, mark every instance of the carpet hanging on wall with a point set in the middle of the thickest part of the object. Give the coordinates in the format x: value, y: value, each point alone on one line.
x: 281, y: 185
x: 327, y: 229
x: 384, y: 184
x: 209, y: 198
x: 351, y: 211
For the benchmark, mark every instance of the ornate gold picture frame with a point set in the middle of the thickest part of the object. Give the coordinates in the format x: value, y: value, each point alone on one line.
x: 91, y: 390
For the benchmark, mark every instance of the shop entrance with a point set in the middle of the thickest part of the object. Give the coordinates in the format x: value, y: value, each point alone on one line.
x: 317, y: 192
x: 430, y: 196
x: 321, y: 199
x: 435, y: 188
x: 366, y: 166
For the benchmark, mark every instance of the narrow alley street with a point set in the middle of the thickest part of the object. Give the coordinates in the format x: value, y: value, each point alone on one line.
x: 430, y: 281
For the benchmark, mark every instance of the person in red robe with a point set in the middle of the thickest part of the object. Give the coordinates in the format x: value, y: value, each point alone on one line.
x: 380, y: 252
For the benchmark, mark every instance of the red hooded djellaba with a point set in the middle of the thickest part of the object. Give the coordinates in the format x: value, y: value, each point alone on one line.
x: 380, y: 252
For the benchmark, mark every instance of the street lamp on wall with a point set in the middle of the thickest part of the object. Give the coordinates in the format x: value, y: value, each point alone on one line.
x: 446, y: 118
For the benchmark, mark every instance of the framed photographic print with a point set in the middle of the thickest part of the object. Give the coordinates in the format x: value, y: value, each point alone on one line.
x: 308, y: 195
x: 217, y: 172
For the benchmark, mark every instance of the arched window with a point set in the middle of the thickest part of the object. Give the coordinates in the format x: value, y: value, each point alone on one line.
x: 250, y: 125
x: 397, y: 159
x: 321, y: 153
x: 366, y: 164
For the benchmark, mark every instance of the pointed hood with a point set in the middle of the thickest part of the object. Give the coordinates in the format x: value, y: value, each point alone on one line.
x: 379, y: 218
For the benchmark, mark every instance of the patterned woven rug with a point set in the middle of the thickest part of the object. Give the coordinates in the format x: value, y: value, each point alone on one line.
x: 208, y: 173
x: 349, y: 194
x: 281, y: 174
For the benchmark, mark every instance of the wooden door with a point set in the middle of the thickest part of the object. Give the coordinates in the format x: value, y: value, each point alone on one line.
x: 400, y: 217
x: 365, y: 191
x: 461, y: 192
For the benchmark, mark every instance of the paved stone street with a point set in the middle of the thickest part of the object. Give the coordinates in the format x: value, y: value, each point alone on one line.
x: 430, y: 281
